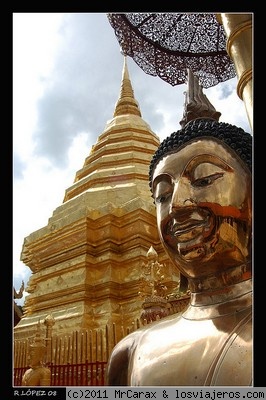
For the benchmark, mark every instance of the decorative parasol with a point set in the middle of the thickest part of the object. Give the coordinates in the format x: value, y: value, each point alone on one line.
x: 168, y: 44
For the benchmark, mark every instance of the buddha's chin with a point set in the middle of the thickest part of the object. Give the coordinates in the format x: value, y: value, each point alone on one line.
x: 191, y: 253
x: 190, y: 250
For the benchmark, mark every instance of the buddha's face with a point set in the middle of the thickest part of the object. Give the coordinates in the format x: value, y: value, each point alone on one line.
x: 203, y: 198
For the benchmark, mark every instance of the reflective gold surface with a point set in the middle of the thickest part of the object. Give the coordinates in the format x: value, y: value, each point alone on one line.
x: 203, y: 200
x: 238, y: 29
x: 202, y: 218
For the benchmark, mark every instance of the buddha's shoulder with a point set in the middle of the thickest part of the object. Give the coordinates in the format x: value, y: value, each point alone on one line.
x: 145, y: 332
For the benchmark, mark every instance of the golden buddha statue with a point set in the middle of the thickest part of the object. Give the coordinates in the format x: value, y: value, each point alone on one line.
x: 201, y: 182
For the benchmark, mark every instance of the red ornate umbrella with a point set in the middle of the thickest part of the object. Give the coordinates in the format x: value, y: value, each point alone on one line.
x: 168, y: 44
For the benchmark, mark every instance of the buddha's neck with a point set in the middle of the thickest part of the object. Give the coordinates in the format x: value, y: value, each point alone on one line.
x: 225, y: 292
x: 220, y: 280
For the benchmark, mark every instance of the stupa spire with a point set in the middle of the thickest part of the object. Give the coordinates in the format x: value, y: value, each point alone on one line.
x: 196, y: 103
x: 126, y: 103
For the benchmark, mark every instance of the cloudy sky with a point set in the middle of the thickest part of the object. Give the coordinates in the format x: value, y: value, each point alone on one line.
x: 67, y: 70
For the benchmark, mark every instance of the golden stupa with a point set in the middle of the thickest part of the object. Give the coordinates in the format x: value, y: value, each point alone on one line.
x: 87, y: 261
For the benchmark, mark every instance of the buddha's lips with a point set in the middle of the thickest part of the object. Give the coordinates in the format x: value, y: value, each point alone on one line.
x: 194, y: 225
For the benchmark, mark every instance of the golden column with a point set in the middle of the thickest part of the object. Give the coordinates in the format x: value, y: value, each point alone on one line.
x: 238, y: 29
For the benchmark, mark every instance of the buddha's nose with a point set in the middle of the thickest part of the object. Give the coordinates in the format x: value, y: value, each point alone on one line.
x: 183, y: 194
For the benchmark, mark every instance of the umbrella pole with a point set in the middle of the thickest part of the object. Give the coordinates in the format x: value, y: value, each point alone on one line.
x: 238, y: 30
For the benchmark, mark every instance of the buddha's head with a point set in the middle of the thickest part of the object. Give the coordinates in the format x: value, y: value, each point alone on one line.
x: 201, y: 182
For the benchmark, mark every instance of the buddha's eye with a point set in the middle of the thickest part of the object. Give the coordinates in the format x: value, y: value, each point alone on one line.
x: 207, y: 180
x: 161, y: 198
x: 162, y: 191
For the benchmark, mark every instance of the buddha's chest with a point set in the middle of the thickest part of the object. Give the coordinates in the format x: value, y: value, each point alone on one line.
x: 195, y: 353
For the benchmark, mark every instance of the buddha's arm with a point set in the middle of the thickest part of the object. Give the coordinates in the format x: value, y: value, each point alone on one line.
x: 117, y: 372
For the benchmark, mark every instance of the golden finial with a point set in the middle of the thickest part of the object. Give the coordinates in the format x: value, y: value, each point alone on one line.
x: 196, y: 103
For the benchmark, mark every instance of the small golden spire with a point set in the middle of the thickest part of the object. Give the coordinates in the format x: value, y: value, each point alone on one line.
x: 196, y: 103
x: 126, y: 103
x: 152, y: 288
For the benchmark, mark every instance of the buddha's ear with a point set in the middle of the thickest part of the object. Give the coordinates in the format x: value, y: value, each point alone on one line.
x: 183, y: 284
